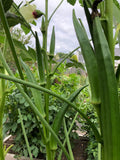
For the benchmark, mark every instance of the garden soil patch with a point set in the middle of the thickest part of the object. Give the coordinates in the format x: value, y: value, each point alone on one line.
x: 79, y: 150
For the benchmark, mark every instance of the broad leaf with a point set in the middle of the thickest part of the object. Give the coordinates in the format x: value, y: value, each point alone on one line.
x: 27, y: 55
x: 13, y: 19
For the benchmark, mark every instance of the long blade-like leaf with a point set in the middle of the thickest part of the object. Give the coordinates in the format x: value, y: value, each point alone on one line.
x: 36, y: 94
x: 60, y: 115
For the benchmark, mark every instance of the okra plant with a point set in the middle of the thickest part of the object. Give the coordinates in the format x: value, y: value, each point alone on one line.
x: 99, y: 60
x: 40, y: 89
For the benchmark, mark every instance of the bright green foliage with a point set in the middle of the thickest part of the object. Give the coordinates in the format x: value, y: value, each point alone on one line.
x: 15, y: 101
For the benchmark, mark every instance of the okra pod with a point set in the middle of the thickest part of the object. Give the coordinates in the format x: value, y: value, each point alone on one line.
x: 90, y: 60
x: 110, y: 116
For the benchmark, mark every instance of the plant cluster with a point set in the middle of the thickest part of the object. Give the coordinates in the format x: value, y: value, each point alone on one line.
x: 35, y: 90
x: 12, y: 124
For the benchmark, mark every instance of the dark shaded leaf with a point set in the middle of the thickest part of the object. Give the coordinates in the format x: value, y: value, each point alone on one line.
x: 117, y: 57
x: 13, y: 19
x: 72, y: 2
x: 7, y: 4
x: 75, y: 64
x: 118, y: 73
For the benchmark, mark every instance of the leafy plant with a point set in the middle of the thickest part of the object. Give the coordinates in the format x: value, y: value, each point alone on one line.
x: 12, y: 126
x: 99, y: 62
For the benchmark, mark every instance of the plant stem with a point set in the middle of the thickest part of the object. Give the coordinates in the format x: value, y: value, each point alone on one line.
x: 33, y: 107
x: 71, y: 126
x: 5, y: 24
x: 2, y: 104
x: 68, y: 140
x: 55, y: 10
x: 45, y: 37
x: 97, y: 135
x: 8, y: 35
x: 109, y: 15
x: 56, y: 67
x: 25, y: 136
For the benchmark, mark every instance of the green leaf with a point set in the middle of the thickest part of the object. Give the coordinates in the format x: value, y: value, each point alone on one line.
x: 25, y: 29
x: 59, y: 117
x: 36, y: 94
x: 40, y: 61
x: 35, y: 151
x: 117, y: 57
x: 27, y: 55
x: 13, y: 19
x: 7, y: 4
x: 116, y: 13
x: 34, y: 23
x: 14, y: 127
x: 118, y: 74
x: 2, y: 38
x: 72, y: 2
x: 75, y: 64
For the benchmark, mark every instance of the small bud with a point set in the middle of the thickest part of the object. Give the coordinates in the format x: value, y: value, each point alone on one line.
x: 37, y: 13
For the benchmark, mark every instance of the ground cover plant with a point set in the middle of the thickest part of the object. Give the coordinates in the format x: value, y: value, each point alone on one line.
x: 99, y: 60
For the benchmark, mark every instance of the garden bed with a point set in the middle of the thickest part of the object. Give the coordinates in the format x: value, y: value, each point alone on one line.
x: 79, y: 150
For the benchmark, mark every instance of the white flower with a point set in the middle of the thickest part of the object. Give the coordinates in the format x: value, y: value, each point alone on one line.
x: 28, y: 12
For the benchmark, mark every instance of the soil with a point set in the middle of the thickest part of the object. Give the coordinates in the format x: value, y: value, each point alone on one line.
x: 79, y: 149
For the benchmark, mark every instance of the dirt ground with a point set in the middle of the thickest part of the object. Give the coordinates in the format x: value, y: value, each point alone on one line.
x: 79, y: 150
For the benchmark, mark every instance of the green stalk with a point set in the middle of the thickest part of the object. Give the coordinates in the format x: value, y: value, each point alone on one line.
x: 6, y: 28
x: 45, y: 57
x: 16, y: 80
x: 45, y: 37
x: 33, y: 107
x: 55, y: 10
x: 109, y: 15
x: 12, y: 78
x: 68, y: 140
x: 71, y: 126
x: 25, y: 136
x: 68, y: 55
x: 2, y: 104
x: 102, y: 10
